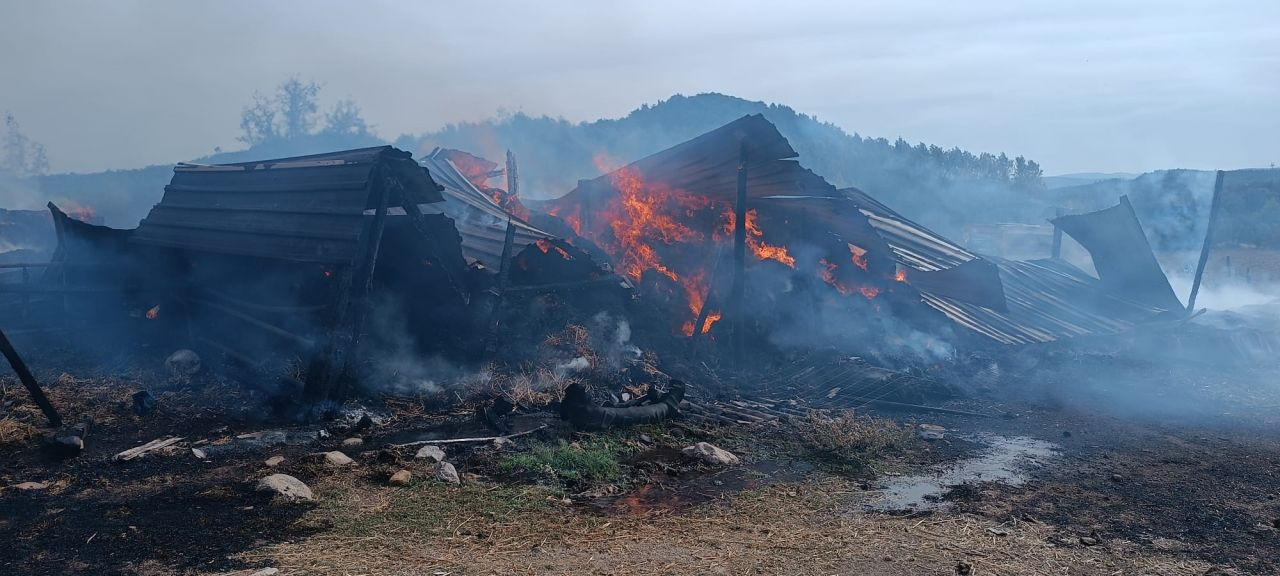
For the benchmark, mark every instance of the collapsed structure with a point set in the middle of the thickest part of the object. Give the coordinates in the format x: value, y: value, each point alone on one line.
x: 669, y: 219
x: 282, y: 264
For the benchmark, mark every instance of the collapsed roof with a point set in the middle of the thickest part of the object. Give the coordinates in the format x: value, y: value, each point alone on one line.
x: 1008, y: 302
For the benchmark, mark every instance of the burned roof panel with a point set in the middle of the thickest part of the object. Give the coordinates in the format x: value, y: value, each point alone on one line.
x: 307, y: 208
x: 1047, y: 300
x: 482, y: 223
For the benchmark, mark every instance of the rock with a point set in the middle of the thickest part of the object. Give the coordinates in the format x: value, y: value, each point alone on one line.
x: 274, y: 461
x: 963, y: 568
x: 932, y: 428
x: 400, y: 478
x: 1117, y: 478
x: 1088, y: 541
x: 337, y: 458
x: 25, y: 486
x: 931, y: 435
x: 198, y: 453
x: 711, y: 454
x: 353, y: 442
x: 647, y: 439
x: 998, y: 531
x: 445, y: 472
x: 501, y: 443
x: 66, y: 444
x: 183, y: 363
x: 435, y: 453
x: 288, y: 487
x: 144, y: 402
x: 1066, y: 433
x: 266, y: 572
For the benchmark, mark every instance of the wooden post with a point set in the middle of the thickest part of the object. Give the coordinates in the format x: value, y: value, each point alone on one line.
x: 1057, y: 236
x: 504, y: 273
x: 513, y: 179
x: 29, y: 381
x: 1208, y: 241
x: 740, y: 258
x: 321, y: 376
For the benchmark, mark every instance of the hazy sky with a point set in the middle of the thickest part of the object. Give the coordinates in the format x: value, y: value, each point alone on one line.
x: 1082, y: 85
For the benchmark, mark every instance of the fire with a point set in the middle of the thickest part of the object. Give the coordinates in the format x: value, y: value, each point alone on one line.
x: 646, y: 219
x: 758, y: 247
x: 695, y: 290
x: 900, y: 275
x: 828, y: 272
x: 859, y: 255
x: 154, y: 312
x: 77, y: 210
x: 546, y: 247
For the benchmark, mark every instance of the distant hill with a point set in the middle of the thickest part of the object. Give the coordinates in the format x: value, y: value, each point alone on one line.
x: 942, y: 187
x: 1083, y: 178
x: 1173, y: 205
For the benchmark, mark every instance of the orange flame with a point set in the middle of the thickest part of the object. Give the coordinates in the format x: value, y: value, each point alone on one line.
x: 154, y: 312
x: 828, y: 272
x: 869, y: 292
x: 900, y: 275
x: 859, y: 256
x: 546, y: 247
x: 761, y: 249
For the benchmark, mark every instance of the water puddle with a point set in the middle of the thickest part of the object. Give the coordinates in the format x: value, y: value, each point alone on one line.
x: 1005, y: 459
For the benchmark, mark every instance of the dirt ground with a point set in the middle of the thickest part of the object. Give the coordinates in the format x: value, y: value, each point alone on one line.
x: 1124, y: 493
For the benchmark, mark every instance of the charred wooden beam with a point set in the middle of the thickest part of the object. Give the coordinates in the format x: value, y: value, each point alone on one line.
x: 29, y: 381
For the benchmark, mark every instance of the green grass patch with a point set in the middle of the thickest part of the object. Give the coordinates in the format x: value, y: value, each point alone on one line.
x: 592, y: 461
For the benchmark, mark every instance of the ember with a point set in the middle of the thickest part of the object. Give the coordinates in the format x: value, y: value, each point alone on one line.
x: 859, y: 256
x: 154, y: 312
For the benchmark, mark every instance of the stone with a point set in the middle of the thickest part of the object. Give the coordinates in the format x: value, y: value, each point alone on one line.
x: 266, y: 572
x: 400, y: 478
x: 287, y: 487
x: 1118, y: 478
x: 501, y: 443
x: 647, y: 439
x: 25, y: 486
x: 445, y: 472
x: 1088, y: 541
x: 144, y: 402
x: 274, y: 461
x: 337, y: 458
x: 66, y: 444
x: 183, y: 362
x: 434, y: 453
x: 198, y: 453
x: 711, y: 454
x: 353, y: 442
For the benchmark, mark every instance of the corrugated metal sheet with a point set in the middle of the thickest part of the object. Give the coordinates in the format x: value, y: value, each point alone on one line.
x: 708, y: 165
x: 308, y: 208
x: 1045, y: 300
x: 481, y: 222
x: 913, y: 245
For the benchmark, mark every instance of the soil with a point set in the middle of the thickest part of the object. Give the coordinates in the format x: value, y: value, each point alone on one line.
x: 1139, y: 491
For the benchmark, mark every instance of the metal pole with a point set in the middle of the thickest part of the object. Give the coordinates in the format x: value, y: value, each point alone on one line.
x: 1208, y: 240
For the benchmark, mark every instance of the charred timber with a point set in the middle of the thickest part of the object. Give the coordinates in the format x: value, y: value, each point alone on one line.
x: 29, y: 381
x: 584, y: 414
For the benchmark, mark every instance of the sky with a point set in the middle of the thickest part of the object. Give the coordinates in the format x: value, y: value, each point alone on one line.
x: 1081, y: 86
